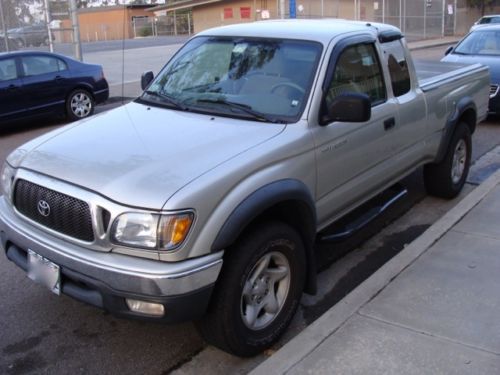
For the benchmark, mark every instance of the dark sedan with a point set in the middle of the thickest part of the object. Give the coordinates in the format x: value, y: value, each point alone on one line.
x: 481, y: 45
x: 30, y: 35
x: 42, y: 83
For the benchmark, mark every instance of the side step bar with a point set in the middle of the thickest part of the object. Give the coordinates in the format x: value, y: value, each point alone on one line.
x: 352, y: 227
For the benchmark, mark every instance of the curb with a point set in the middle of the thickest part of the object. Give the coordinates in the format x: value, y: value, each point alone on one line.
x: 432, y: 45
x: 312, y: 336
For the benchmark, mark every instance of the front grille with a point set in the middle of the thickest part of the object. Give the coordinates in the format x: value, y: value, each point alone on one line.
x: 493, y: 91
x: 54, y: 210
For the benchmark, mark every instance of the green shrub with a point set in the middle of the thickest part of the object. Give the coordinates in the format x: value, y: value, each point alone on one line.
x: 145, y: 31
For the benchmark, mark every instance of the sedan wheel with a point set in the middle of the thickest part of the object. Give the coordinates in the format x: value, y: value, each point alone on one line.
x: 79, y: 105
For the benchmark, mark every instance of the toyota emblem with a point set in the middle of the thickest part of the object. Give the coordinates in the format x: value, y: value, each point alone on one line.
x: 43, y: 208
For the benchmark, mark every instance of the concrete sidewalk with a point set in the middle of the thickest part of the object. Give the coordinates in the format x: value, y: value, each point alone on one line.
x: 433, y: 309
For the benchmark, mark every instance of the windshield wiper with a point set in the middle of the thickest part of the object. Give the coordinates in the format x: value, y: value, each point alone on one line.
x: 244, y: 108
x: 168, y: 98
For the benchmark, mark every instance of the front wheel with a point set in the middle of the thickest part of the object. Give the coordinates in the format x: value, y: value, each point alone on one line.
x: 258, y: 291
x: 79, y: 104
x: 447, y: 178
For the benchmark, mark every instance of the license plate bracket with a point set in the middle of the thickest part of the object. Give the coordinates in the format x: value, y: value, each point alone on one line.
x: 43, y: 271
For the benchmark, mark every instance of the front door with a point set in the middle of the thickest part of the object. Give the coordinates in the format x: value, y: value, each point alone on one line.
x: 350, y: 156
x: 12, y: 101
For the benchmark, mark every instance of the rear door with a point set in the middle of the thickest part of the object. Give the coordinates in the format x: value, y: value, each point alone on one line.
x: 351, y: 157
x: 13, y: 103
x: 45, y: 80
x: 411, y: 129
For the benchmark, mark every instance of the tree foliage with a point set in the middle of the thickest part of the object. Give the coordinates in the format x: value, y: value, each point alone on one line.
x: 9, y: 14
x: 481, y: 4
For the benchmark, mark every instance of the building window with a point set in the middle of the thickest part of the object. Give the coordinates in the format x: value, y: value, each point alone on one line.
x: 245, y: 12
x: 228, y: 13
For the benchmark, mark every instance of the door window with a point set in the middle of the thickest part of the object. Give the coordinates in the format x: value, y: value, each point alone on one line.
x: 36, y: 65
x: 358, y: 71
x: 8, y: 69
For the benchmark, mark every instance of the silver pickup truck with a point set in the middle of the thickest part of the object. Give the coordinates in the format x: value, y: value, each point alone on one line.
x: 203, y: 198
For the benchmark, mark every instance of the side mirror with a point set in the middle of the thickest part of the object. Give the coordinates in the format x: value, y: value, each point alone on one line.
x: 448, y: 50
x: 348, y: 108
x: 146, y: 79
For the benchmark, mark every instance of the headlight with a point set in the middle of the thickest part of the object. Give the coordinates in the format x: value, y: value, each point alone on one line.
x: 151, y: 231
x: 7, y: 179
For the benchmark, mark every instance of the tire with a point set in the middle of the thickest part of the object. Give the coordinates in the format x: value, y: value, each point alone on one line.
x: 447, y: 178
x: 79, y: 105
x: 249, y: 311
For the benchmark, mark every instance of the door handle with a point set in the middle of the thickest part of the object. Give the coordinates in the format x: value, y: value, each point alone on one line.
x: 59, y: 78
x: 12, y: 87
x: 389, y: 123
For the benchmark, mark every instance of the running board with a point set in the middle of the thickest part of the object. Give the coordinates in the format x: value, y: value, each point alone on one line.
x: 361, y: 221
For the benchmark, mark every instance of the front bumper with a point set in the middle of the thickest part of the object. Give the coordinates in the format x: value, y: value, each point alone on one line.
x: 106, y: 279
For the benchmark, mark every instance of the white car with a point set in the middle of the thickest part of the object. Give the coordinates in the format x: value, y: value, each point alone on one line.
x: 486, y: 20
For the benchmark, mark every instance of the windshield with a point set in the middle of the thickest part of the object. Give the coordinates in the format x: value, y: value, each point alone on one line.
x: 263, y: 79
x: 480, y: 42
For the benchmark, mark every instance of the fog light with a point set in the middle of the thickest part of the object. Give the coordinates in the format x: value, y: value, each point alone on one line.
x: 143, y: 307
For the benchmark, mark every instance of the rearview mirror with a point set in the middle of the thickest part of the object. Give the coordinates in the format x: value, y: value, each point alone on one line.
x: 348, y: 108
x: 448, y: 50
x: 146, y: 79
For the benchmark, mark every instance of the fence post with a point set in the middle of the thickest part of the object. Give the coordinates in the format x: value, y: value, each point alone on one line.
x: 4, y: 27
x: 76, y: 30
x: 47, y: 21
x: 175, y: 23
x: 425, y: 19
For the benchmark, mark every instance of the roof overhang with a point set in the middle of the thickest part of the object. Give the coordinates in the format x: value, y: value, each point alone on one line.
x: 182, y: 5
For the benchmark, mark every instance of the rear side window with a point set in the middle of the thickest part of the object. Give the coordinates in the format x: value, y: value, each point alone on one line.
x: 36, y: 65
x: 398, y: 67
x: 8, y: 69
x: 358, y: 71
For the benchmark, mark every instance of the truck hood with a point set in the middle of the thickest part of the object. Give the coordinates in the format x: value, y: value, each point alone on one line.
x: 139, y: 155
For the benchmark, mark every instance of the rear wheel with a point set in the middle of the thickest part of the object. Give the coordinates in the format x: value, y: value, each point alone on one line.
x: 447, y: 178
x: 258, y: 291
x: 79, y: 104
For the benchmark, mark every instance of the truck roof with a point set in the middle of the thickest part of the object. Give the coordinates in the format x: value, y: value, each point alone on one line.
x: 320, y: 30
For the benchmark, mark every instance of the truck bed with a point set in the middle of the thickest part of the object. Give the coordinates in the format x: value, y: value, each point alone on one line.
x: 433, y: 74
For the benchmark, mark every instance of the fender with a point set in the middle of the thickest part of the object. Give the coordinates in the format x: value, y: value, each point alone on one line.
x: 82, y: 85
x: 264, y: 198
x: 463, y: 105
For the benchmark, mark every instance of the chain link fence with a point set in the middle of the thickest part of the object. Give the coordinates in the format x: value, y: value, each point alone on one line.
x: 46, y: 24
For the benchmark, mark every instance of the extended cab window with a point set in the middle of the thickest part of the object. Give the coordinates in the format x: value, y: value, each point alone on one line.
x: 358, y: 71
x: 35, y: 65
x: 398, y: 68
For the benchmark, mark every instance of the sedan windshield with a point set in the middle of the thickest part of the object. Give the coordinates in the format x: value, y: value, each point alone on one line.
x: 480, y: 42
x: 262, y: 79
